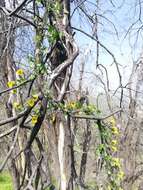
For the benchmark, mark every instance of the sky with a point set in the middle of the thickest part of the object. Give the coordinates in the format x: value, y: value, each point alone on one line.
x: 126, y: 46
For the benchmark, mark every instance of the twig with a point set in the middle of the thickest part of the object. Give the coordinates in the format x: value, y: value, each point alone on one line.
x: 18, y: 8
x: 104, y: 47
x: 7, y: 12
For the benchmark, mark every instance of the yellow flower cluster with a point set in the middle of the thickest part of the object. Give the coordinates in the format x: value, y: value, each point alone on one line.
x: 115, y: 162
x: 114, y: 148
x: 115, y: 130
x: 114, y: 145
x: 20, y: 72
x: 112, y: 121
x: 114, y: 142
x: 35, y: 97
x: 31, y: 101
x: 34, y: 119
x: 120, y: 175
x: 71, y: 105
x: 10, y: 84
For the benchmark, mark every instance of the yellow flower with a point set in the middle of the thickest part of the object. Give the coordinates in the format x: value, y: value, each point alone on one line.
x: 16, y: 105
x: 112, y: 121
x: 10, y: 84
x: 114, y: 148
x: 120, y: 175
x: 115, y: 162
x: 34, y: 119
x: 71, y: 105
x: 114, y: 142
x: 115, y: 130
x: 35, y: 97
x: 19, y: 72
x: 30, y: 102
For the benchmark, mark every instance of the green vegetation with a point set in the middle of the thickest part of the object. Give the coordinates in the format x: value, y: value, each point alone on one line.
x: 5, y: 181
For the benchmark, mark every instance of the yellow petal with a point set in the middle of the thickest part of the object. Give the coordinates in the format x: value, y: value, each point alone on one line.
x: 116, y: 162
x: 120, y: 175
x: 30, y: 102
x: 19, y: 72
x: 35, y: 97
x: 10, y: 84
x: 114, y: 142
x: 115, y: 130
x: 34, y: 119
x: 114, y: 148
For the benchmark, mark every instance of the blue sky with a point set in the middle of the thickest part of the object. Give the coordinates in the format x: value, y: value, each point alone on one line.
x: 126, y: 48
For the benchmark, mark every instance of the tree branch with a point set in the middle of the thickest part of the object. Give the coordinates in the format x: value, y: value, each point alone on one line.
x: 18, y: 8
x: 8, y: 132
x: 92, y: 117
x: 15, y: 87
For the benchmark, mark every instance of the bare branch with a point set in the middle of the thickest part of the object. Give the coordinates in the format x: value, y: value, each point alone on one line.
x: 18, y: 8
x: 104, y: 47
x: 92, y: 117
x: 9, y: 131
x: 14, y: 118
x: 15, y: 87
